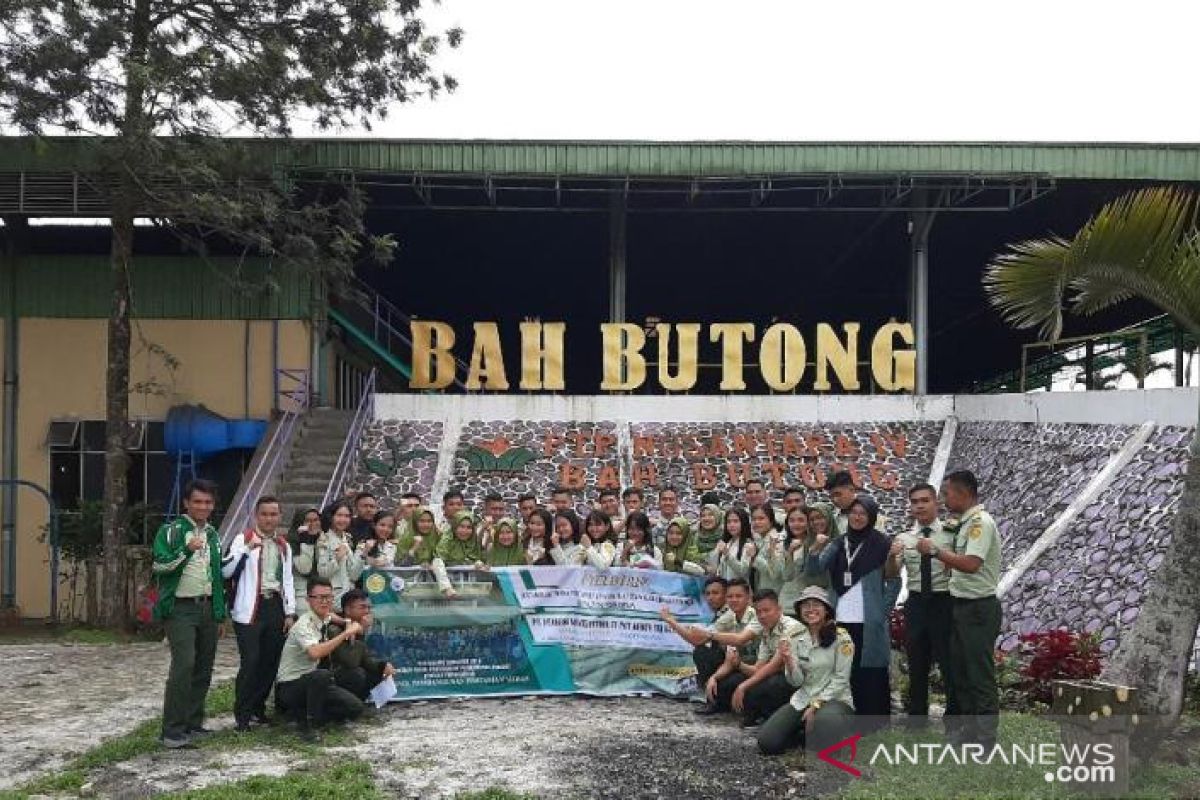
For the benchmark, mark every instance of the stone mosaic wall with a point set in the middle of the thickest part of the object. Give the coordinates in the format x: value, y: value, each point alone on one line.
x: 886, y: 458
x: 1093, y: 578
x: 1028, y: 474
x: 406, y: 453
x: 513, y: 457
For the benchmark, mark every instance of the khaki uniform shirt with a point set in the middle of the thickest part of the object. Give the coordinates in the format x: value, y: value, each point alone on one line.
x: 912, y: 557
x: 196, y: 578
x: 728, y: 622
x: 294, y: 661
x: 820, y: 673
x: 787, y: 628
x: 272, y: 564
x: 977, y: 535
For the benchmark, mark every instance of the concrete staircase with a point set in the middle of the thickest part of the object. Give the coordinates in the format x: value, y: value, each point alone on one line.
x: 313, y: 458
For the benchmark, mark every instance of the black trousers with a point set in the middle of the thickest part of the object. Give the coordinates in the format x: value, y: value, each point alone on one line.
x: 766, y: 697
x: 260, y: 644
x: 708, y: 658
x: 358, y: 681
x: 929, y: 618
x: 869, y: 686
x: 315, y: 699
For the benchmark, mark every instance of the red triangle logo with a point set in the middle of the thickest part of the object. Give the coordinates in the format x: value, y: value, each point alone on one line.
x: 852, y: 743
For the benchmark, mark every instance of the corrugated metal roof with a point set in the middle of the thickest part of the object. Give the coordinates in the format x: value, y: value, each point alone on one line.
x: 164, y: 287
x: 1170, y: 162
x: 723, y: 159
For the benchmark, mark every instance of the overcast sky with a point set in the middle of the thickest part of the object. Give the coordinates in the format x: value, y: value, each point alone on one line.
x: 966, y: 70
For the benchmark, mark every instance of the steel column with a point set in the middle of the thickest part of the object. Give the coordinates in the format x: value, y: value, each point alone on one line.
x: 920, y: 223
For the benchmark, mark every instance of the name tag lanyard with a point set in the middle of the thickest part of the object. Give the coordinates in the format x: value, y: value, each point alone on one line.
x: 847, y: 576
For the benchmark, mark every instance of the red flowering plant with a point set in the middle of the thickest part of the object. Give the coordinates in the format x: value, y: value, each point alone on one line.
x: 1048, y: 656
x: 898, y: 627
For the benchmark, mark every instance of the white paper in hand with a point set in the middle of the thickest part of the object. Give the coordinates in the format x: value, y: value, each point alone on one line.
x: 383, y: 692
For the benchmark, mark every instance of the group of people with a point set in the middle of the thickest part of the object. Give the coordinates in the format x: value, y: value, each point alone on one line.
x: 801, y: 596
x: 296, y: 634
x: 800, y: 678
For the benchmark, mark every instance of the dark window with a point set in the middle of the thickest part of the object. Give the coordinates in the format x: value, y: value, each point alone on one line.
x: 77, y: 470
x: 62, y: 433
x: 93, y: 436
x: 64, y: 480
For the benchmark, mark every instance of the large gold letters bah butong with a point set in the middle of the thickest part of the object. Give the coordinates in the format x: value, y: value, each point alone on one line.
x: 782, y: 355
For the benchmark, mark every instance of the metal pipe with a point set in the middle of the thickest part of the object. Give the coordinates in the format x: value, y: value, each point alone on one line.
x: 275, y: 364
x: 246, y: 369
x: 10, y: 488
x: 922, y: 222
x: 8, y: 523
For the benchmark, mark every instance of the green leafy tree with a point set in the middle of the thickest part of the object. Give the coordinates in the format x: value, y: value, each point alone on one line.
x: 156, y: 83
x: 1145, y: 244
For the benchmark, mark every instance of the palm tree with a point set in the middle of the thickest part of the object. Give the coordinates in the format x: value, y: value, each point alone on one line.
x: 1144, y: 244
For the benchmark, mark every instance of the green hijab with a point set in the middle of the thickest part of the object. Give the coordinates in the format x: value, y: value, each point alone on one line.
x: 429, y: 543
x: 826, y: 510
x: 455, y: 552
x: 707, y: 539
x: 684, y: 551
x: 499, y: 555
x: 821, y: 579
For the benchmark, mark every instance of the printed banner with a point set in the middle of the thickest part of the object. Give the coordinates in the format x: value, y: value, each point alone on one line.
x: 535, y: 630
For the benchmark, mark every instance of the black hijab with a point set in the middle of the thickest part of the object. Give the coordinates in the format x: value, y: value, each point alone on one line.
x: 869, y: 546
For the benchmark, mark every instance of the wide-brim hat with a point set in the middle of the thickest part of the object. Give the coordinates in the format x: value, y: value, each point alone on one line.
x: 814, y: 593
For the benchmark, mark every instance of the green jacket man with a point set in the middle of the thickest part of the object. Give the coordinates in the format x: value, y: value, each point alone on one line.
x: 191, y: 601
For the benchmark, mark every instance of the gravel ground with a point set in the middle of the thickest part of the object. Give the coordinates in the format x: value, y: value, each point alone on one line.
x: 63, y: 696
x: 63, y: 699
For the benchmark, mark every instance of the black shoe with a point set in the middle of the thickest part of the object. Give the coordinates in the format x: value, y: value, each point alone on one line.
x: 706, y: 709
x: 199, y: 732
x: 309, y: 736
x: 260, y: 718
x: 176, y: 742
x: 241, y: 726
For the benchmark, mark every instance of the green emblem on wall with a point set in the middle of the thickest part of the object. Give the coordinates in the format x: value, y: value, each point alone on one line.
x: 497, y: 455
x: 386, y: 469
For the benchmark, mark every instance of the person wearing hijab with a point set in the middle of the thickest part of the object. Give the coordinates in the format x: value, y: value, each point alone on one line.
x: 864, y: 575
x: 818, y: 663
x: 460, y: 548
x: 565, y: 548
x: 708, y: 531
x: 504, y: 547
x: 598, y: 540
x: 733, y: 557
x: 419, y: 542
x: 678, y: 549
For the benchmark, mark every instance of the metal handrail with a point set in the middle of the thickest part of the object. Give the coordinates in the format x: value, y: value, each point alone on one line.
x: 365, y: 410
x: 383, y: 315
x: 237, y: 517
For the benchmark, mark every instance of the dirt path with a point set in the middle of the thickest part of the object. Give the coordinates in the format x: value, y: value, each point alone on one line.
x: 63, y: 699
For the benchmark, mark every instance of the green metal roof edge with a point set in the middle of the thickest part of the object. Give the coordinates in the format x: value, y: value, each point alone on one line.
x: 1102, y: 161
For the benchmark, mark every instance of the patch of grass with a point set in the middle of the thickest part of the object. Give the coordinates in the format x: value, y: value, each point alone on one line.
x: 493, y: 793
x: 346, y: 780
x: 94, y: 636
x: 144, y: 739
